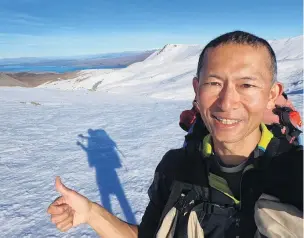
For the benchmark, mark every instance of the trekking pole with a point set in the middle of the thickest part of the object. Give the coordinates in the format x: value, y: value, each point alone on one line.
x: 123, y: 164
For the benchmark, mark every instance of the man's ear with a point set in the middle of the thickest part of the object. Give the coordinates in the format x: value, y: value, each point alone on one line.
x: 195, y: 84
x: 275, y: 91
x: 281, y: 87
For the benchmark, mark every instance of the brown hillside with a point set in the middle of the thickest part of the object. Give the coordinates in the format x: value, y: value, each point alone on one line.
x: 8, y: 81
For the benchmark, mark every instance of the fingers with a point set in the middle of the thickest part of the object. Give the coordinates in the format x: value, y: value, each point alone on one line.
x: 61, y: 188
x: 60, y: 217
x: 61, y: 213
x: 66, y: 228
x: 65, y: 224
x: 58, y: 209
x: 58, y: 201
x: 64, y: 220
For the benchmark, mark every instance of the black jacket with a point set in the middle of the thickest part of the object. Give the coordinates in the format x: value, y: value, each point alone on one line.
x: 280, y: 176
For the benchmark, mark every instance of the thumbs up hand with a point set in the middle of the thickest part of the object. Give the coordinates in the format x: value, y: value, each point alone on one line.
x: 70, y: 209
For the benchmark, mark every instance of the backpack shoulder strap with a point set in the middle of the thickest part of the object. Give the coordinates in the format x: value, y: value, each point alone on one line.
x: 197, y: 132
x: 192, y: 174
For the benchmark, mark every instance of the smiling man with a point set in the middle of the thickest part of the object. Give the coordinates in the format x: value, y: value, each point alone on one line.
x: 235, y: 85
x: 214, y: 187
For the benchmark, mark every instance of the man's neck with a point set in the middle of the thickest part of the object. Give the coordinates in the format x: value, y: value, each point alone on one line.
x: 236, y: 153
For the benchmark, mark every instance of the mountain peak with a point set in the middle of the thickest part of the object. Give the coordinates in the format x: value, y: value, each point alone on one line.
x: 168, y: 47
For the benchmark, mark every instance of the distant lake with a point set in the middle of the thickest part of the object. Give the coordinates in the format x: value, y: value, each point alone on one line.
x: 56, y: 69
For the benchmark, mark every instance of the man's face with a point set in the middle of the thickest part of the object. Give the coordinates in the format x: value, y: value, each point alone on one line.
x: 234, y: 89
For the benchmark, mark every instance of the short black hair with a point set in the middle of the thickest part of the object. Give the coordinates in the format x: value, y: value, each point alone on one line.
x: 244, y: 38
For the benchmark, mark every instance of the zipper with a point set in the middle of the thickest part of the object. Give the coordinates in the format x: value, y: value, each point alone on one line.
x: 247, y: 168
x: 237, y: 220
x: 237, y: 225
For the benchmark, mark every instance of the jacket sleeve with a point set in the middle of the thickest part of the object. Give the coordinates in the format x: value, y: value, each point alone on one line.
x: 271, y: 221
x: 159, y: 193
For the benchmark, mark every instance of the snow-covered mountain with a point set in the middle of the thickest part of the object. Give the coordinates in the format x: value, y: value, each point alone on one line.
x: 168, y: 72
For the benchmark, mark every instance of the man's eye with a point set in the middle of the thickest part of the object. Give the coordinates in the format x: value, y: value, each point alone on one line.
x: 246, y: 85
x: 213, y: 84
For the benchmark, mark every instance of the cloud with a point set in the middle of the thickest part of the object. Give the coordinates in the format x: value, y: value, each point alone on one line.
x: 20, y: 19
x: 25, y: 16
x: 25, y: 22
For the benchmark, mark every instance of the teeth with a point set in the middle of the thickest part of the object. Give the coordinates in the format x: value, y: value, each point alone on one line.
x: 227, y: 121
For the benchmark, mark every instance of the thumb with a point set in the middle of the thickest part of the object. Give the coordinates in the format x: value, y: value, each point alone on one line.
x: 61, y: 188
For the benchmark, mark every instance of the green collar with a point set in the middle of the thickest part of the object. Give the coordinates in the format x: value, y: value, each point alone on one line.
x: 262, y: 145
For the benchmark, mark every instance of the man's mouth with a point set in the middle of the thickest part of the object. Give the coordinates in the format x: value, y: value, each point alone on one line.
x: 226, y: 121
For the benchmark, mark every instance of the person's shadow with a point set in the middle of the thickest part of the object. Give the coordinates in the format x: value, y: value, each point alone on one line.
x: 102, y: 154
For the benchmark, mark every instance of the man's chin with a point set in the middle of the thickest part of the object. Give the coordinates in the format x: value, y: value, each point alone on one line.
x: 227, y: 138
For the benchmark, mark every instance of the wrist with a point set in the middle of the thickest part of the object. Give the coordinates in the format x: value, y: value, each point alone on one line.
x: 90, y: 213
x: 95, y: 212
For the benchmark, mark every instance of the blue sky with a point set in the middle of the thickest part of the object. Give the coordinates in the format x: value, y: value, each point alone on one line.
x: 37, y: 28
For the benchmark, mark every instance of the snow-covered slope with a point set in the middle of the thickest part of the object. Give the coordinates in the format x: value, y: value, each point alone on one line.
x: 167, y: 73
x: 289, y: 54
x: 123, y: 140
x: 290, y: 48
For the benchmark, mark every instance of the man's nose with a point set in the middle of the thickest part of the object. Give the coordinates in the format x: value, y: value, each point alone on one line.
x: 228, y: 98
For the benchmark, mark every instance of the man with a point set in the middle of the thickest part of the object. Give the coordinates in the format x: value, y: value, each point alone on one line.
x: 210, y: 190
